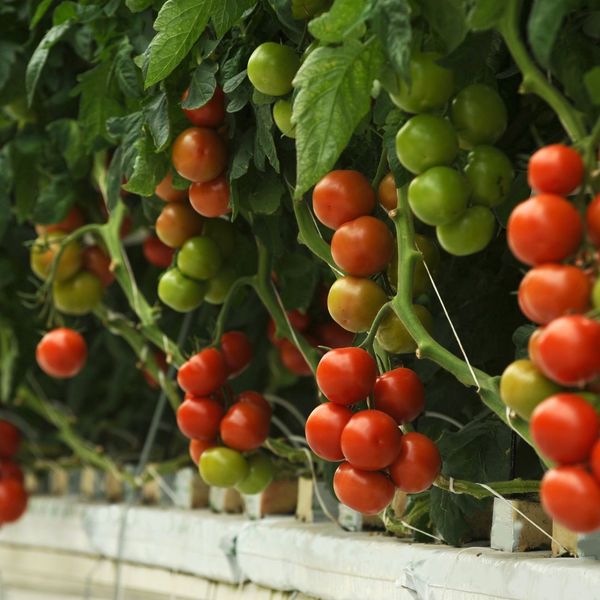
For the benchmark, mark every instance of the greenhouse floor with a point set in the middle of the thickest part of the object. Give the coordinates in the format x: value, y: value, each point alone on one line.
x: 64, y: 548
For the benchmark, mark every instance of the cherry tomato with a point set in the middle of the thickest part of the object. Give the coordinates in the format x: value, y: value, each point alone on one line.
x: 180, y: 292
x: 469, y: 233
x: 260, y: 475
x: 400, y: 394
x: 394, y: 337
x: 78, y: 295
x: 223, y: 233
x: 237, y: 351
x: 544, y: 229
x: 46, y: 248
x: 353, y: 302
x: 292, y: 359
x: 298, y: 320
x: 10, y: 470
x: 342, y: 196
x: 10, y: 439
x: 367, y: 492
x: 592, y: 220
x: 324, y: 428
x: 177, y: 223
x: 74, y: 220
x: 362, y: 247
x: 346, y: 375
x: 553, y: 290
x: 386, y: 192
x: 197, y: 447
x: 595, y: 460
x: 220, y: 284
x: 61, y: 353
x: 426, y: 141
x: 331, y: 335
x: 199, y: 258
x: 490, y: 174
x: 571, y: 496
x: 271, y: 68
x: 282, y: 115
x: 199, y: 154
x: 223, y: 467
x: 204, y: 373
x: 165, y: 190
x: 555, y: 169
x: 258, y: 400
x: 211, y: 114
x: 199, y: 418
x: 439, y: 195
x: 157, y: 253
x: 211, y: 198
x: 13, y: 500
x: 418, y: 463
x: 245, y: 426
x: 96, y: 261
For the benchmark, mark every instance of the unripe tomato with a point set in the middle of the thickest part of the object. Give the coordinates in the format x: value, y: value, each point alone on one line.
x: 353, y: 302
x: 10, y: 470
x: 426, y: 141
x: 199, y: 154
x: 592, y: 220
x: 331, y: 335
x: 61, y: 353
x: 223, y: 233
x: 596, y: 294
x: 197, y: 447
x: 555, y: 169
x: 199, y: 258
x: 418, y: 463
x: 199, y: 418
x: 490, y: 174
x: 400, y: 394
x: 13, y: 500
x: 46, y: 248
x: 386, y: 192
x: 211, y: 114
x: 292, y: 359
x: 236, y: 350
x: 346, y: 375
x: 204, y: 373
x: 342, y: 196
x: 180, y: 292
x: 545, y: 228
x: 219, y: 285
x: 367, y: 492
x: 324, y: 428
x: 394, y: 337
x: 79, y: 295
x: 74, y: 220
x: 469, y: 233
x: 362, y: 247
x: 282, y: 115
x: 245, y: 427
x: 553, y: 290
x: 439, y: 195
x: 258, y: 400
x: 165, y: 190
x: 271, y: 68
x: 260, y: 474
x: 97, y: 261
x: 211, y: 198
x: 223, y: 467
x: 10, y: 439
x: 177, y: 223
x: 157, y: 253
x: 479, y: 115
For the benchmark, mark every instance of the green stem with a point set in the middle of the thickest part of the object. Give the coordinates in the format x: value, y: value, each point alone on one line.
x: 515, y: 486
x: 370, y: 339
x: 226, y: 307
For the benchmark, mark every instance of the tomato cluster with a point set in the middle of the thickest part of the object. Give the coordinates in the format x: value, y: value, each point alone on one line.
x: 377, y: 457
x: 13, y: 496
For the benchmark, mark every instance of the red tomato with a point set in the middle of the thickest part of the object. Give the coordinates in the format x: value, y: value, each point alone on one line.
x: 10, y: 439
x: 331, y: 335
x: 553, y: 290
x: 292, y: 359
x: 177, y: 223
x: 417, y: 465
x: 592, y: 220
x: 386, y: 193
x: 10, y: 470
x: 342, y: 196
x: 245, y: 427
x: 595, y: 460
x: 211, y: 198
x: 298, y: 320
x: 276, y: 341
x: 568, y: 350
x: 565, y: 427
x: 211, y: 114
x: 237, y: 351
x: 199, y: 418
x: 157, y: 253
x: 400, y: 394
x: 371, y: 440
x: 367, y: 492
x: 61, y: 353
x: 533, y: 347
x: 250, y: 397
x: 555, y: 169
x: 204, y: 373
x: 13, y: 500
x: 346, y: 375
x: 545, y: 228
x: 96, y: 261
x: 199, y: 154
x: 571, y: 496
x: 362, y: 247
x: 197, y: 447
x: 74, y: 220
x: 165, y: 190
x: 324, y: 428
x: 161, y: 362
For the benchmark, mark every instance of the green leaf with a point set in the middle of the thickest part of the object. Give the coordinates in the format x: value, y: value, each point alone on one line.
x: 447, y: 19
x: 40, y: 10
x: 147, y: 169
x: 264, y: 145
x: 5, y: 190
x: 24, y: 157
x: 54, y: 200
x: 138, y: 5
x: 226, y: 13
x: 128, y: 75
x: 392, y: 22
x: 237, y: 99
x: 333, y: 95
x: 340, y: 21
x: 156, y: 113
x: 67, y: 136
x: 202, y: 86
x: 483, y: 14
x: 39, y: 57
x: 243, y: 155
x: 8, y: 57
x: 232, y: 83
x: 64, y: 12
x: 592, y: 84
x: 298, y: 276
x: 267, y: 198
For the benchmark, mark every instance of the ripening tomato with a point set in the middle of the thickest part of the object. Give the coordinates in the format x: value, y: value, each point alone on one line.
x: 46, y: 248
x: 61, y: 353
x: 418, y: 463
x: 346, y: 375
x: 180, y: 292
x: 271, y: 68
x: 571, y: 496
x: 292, y: 359
x: 13, y: 500
x: 97, y: 261
x: 199, y: 154
x: 199, y: 418
x: 258, y: 400
x: 331, y: 335
x: 204, y: 373
x: 367, y: 492
x: 10, y: 470
x: 74, y: 220
x: 393, y: 336
x: 79, y: 295
x: 260, y: 474
x: 210, y: 114
x: 565, y: 427
x: 553, y: 290
x: 400, y: 394
x: 592, y: 220
x: 245, y: 426
x: 324, y: 428
x: 386, y: 192
x: 177, y: 223
x: 371, y: 440
x: 210, y: 198
x: 545, y: 228
x: 197, y: 447
x: 10, y: 439
x: 157, y: 253
x: 222, y: 467
x: 236, y: 350
x: 165, y: 190
x: 342, y: 196
x: 595, y: 460
x: 555, y: 169
x: 469, y: 233
x: 362, y: 247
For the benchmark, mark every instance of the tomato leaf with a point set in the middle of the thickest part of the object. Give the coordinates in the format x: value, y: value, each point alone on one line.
x: 483, y: 14
x: 128, y: 75
x: 40, y: 10
x: 592, y: 84
x: 156, y: 113
x: 264, y: 145
x: 54, y: 200
x: 138, y: 5
x: 333, y: 95
x: 266, y: 199
x: 392, y: 21
x: 243, y: 155
x: 147, y: 168
x: 202, y: 86
x: 5, y: 190
x: 8, y: 57
x: 341, y: 21
x: 298, y: 276
x: 447, y: 19
x: 67, y: 137
x: 226, y: 13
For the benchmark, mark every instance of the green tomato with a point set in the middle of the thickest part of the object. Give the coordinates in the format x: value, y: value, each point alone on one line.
x: 479, y: 115
x: 199, y: 258
x: 596, y: 294
x: 426, y: 141
x: 393, y: 337
x: 469, y: 233
x: 223, y: 233
x: 78, y: 295
x: 44, y: 250
x: 260, y: 474
x: 282, y: 115
x: 179, y: 292
x: 220, y: 284
x: 223, y: 467
x: 430, y: 85
x: 421, y: 281
x: 439, y: 195
x: 490, y: 173
x: 271, y: 68
x: 523, y: 387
